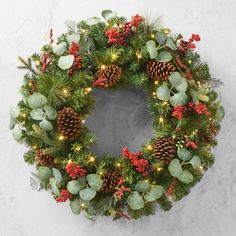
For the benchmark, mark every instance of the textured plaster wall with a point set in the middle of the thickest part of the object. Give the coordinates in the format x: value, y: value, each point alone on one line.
x: 210, y: 209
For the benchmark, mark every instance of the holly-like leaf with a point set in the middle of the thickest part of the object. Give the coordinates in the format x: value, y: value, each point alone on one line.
x: 36, y: 100
x: 195, y: 162
x: 50, y: 112
x: 44, y: 173
x: 142, y: 186
x: 163, y: 93
x: 94, y: 181
x: 164, y: 56
x: 60, y: 48
x: 37, y: 114
x: 73, y: 187
x: 65, y: 62
x: 156, y: 192
x: 175, y: 168
x: 75, y: 206
x: 186, y: 177
x: 45, y: 125
x: 135, y: 201
x: 184, y: 154
x: 152, y: 49
x: 87, y: 194
x: 179, y: 99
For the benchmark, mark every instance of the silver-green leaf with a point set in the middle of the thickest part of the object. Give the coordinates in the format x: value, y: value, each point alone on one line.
x: 178, y: 82
x: 44, y: 173
x: 152, y: 49
x: 186, y: 177
x: 164, y: 56
x: 60, y: 48
x: 65, y: 62
x: 57, y: 175
x: 72, y: 38
x: 195, y: 162
x: 94, y: 181
x: 37, y: 114
x: 87, y: 194
x: 135, y: 201
x: 179, y: 99
x: 184, y: 154
x: 50, y: 112
x: 75, y: 206
x: 73, y: 186
x: 45, y: 125
x: 170, y: 44
x: 142, y: 186
x: 175, y: 168
x: 163, y: 93
x: 36, y: 100
x: 156, y: 192
x: 17, y: 133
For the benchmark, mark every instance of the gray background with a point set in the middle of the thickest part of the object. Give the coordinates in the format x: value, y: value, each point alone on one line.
x: 210, y: 209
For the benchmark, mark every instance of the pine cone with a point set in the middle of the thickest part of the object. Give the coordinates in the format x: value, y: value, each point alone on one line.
x: 109, y: 182
x: 159, y: 70
x: 206, y: 137
x: 110, y: 74
x: 43, y: 159
x: 68, y: 123
x: 165, y: 149
x: 32, y: 86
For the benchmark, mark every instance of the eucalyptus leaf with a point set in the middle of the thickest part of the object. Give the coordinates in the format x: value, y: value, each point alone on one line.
x: 175, y: 168
x: 17, y: 133
x: 142, y: 186
x: 105, y: 13
x: 65, y: 62
x: 135, y: 201
x: 73, y: 186
x: 163, y: 93
x: 45, y: 125
x: 111, y: 16
x: 54, y: 187
x: 82, y: 181
x: 156, y: 192
x: 184, y: 154
x: 60, y: 48
x: 161, y: 38
x: 87, y: 194
x: 178, y: 82
x: 84, y: 46
x: 164, y: 56
x: 220, y: 113
x: 94, y: 181
x: 14, y: 112
x: 72, y: 38
x: 36, y: 100
x: 170, y: 44
x: 195, y: 162
x: 12, y: 123
x: 186, y: 177
x: 93, y: 21
x: 152, y: 49
x: 44, y: 173
x: 75, y: 206
x: 37, y: 114
x: 179, y: 99
x: 50, y: 112
x: 57, y: 175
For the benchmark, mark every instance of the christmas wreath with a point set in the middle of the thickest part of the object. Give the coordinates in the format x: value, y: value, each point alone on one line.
x: 110, y: 54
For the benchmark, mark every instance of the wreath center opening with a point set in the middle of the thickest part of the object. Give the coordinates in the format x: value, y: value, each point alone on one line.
x: 120, y: 118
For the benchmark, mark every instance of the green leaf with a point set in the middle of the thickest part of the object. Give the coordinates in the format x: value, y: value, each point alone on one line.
x: 152, y: 49
x: 135, y: 201
x: 84, y: 46
x: 54, y: 187
x: 17, y: 133
x: 45, y: 125
x: 220, y: 113
x: 36, y: 100
x: 82, y: 181
x: 105, y: 13
x: 111, y: 16
x: 142, y: 186
x: 75, y: 206
x: 72, y: 38
x: 50, y: 112
x: 161, y: 38
x: 170, y: 44
x: 184, y: 154
x: 179, y: 99
x: 156, y: 192
x: 65, y: 62
x: 163, y: 93
x: 44, y: 173
x: 57, y: 175
x: 195, y: 162
x: 73, y: 186
x: 92, y: 21
x: 37, y: 114
x: 60, y: 48
x: 186, y: 177
x: 12, y: 123
x: 164, y: 56
x: 178, y: 82
x: 14, y: 112
x: 175, y: 168
x: 87, y: 194
x: 94, y: 181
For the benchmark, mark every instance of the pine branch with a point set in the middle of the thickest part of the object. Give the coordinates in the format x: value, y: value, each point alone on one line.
x: 26, y: 65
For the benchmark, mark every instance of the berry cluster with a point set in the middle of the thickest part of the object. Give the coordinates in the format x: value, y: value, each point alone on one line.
x: 140, y: 164
x: 64, y: 196
x: 74, y: 50
x: 183, y: 66
x: 119, y: 35
x: 199, y: 108
x: 45, y: 61
x: 75, y: 170
x: 178, y: 112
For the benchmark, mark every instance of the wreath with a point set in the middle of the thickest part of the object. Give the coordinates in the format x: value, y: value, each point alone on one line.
x: 110, y: 54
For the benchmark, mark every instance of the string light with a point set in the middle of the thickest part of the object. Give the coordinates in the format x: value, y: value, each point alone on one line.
x: 69, y: 161
x: 88, y: 89
x: 83, y: 121
x: 65, y: 91
x: 100, y: 173
x: 156, y: 82
x: 113, y: 56
x: 34, y: 147
x: 149, y: 147
x: 82, y: 205
x: 189, y: 61
x: 78, y: 148
x: 83, y: 30
x: 159, y: 169
x: 61, y: 137
x: 139, y: 55
x: 23, y: 114
x: 154, y: 93
x: 118, y: 164
x: 92, y: 159
x: 161, y: 120
x: 152, y: 35
x: 173, y: 136
x: 103, y: 67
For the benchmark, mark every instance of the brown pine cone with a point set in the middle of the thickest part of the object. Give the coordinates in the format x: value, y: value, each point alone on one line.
x: 165, y: 149
x: 110, y: 181
x: 110, y: 75
x: 68, y: 123
x: 43, y: 159
x: 159, y: 70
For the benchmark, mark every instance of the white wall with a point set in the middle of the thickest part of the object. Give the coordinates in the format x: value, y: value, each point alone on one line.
x: 210, y: 209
